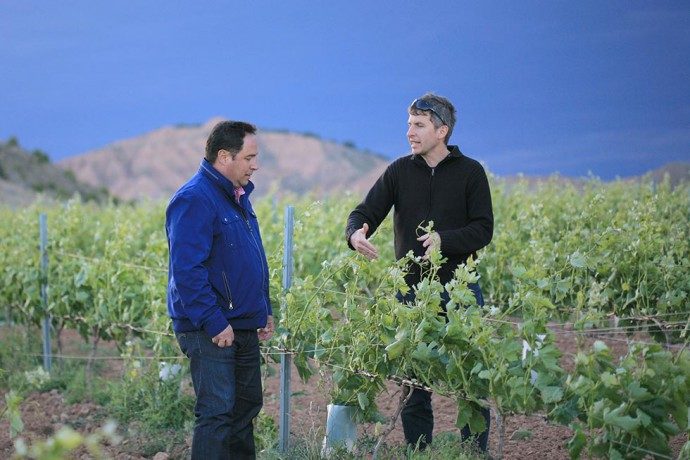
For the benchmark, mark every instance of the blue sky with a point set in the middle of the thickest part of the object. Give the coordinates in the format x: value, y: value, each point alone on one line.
x: 540, y: 87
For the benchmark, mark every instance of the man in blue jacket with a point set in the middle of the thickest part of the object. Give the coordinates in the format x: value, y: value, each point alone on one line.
x: 438, y: 183
x: 218, y: 291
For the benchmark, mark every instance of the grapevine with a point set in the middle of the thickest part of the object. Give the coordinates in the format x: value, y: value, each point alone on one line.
x: 606, y: 257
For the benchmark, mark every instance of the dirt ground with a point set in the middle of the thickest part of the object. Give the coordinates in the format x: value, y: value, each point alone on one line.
x: 309, y: 412
x: 532, y: 436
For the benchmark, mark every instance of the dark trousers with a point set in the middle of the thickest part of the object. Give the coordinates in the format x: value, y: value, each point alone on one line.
x: 418, y: 422
x: 418, y: 416
x: 227, y: 383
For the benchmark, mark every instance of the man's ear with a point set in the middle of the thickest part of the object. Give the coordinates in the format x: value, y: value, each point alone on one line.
x: 442, y: 132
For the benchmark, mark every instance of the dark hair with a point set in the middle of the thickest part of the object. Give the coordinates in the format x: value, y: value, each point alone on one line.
x: 227, y: 135
x: 442, y: 107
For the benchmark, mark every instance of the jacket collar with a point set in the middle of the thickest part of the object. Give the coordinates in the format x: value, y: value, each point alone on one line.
x: 207, y: 170
x: 454, y: 152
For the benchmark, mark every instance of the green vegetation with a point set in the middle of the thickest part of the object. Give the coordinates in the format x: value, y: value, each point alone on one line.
x: 40, y: 156
x: 596, y: 258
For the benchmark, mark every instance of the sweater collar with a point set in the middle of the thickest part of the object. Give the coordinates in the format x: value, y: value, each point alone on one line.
x: 454, y: 152
x: 207, y: 170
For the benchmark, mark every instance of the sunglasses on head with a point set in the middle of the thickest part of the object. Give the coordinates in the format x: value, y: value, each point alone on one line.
x: 423, y: 104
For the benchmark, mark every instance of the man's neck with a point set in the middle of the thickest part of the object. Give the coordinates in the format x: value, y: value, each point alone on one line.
x: 434, y: 157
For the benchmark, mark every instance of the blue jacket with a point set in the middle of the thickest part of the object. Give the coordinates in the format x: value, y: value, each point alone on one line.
x: 218, y: 274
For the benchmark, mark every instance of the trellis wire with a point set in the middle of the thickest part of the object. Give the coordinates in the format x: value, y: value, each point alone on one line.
x: 284, y: 353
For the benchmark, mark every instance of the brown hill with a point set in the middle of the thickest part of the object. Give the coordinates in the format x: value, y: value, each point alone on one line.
x: 26, y: 176
x: 676, y: 173
x: 154, y: 165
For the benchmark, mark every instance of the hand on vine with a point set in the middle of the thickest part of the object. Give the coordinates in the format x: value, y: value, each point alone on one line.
x: 430, y: 241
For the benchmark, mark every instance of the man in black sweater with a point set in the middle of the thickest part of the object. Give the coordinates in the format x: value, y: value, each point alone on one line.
x: 435, y: 183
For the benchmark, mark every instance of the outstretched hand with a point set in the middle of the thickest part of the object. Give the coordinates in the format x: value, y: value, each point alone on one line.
x: 359, y: 241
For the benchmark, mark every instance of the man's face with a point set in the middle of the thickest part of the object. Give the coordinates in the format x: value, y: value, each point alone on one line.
x: 238, y: 170
x: 422, y: 135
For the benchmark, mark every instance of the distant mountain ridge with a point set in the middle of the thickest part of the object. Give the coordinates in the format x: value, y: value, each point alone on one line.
x: 676, y: 172
x: 153, y: 165
x: 24, y: 176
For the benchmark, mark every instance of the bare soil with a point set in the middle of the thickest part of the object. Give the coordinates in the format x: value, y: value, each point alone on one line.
x: 526, y: 437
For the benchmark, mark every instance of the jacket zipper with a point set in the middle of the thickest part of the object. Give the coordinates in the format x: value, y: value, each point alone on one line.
x: 431, y: 189
x: 431, y: 195
x: 227, y: 290
x: 258, y: 251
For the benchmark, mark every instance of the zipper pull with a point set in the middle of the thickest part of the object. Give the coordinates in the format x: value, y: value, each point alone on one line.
x: 227, y: 289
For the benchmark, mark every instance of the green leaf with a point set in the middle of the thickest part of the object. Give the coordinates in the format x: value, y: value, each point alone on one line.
x: 477, y: 368
x: 424, y: 352
x: 681, y: 414
x: 609, y: 380
x: 16, y: 424
x: 645, y: 419
x: 624, y: 422
x: 477, y: 422
x: 599, y: 346
x: 395, y: 349
x: 549, y: 355
x: 614, y: 454
x: 577, y: 443
x: 80, y: 278
x: 464, y: 412
x: 68, y: 439
x: 454, y: 334
x: 577, y: 260
x: 13, y: 402
x: 638, y: 392
x: 518, y: 271
x: 363, y: 400
x: 82, y: 296
x: 551, y: 394
x: 565, y: 412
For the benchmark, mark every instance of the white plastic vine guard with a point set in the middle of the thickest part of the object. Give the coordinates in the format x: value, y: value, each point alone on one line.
x: 341, y: 429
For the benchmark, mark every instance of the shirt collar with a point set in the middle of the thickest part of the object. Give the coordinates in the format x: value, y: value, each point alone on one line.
x: 207, y: 169
x: 239, y: 191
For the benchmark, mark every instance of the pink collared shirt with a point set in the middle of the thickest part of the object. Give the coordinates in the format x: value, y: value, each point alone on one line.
x: 239, y: 191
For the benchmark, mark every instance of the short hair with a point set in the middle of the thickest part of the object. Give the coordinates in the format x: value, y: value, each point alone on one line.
x: 443, y: 112
x: 227, y: 135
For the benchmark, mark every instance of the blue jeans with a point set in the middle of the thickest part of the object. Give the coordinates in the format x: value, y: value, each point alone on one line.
x: 227, y: 383
x: 418, y: 416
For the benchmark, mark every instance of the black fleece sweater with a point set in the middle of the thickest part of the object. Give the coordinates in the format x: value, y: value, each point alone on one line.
x: 455, y: 195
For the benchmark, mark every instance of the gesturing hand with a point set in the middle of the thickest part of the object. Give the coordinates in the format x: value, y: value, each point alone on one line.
x: 359, y: 241
x: 225, y: 337
x: 430, y: 241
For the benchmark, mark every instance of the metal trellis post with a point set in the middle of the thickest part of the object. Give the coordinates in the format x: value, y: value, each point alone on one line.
x: 285, y: 358
x: 43, y: 230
